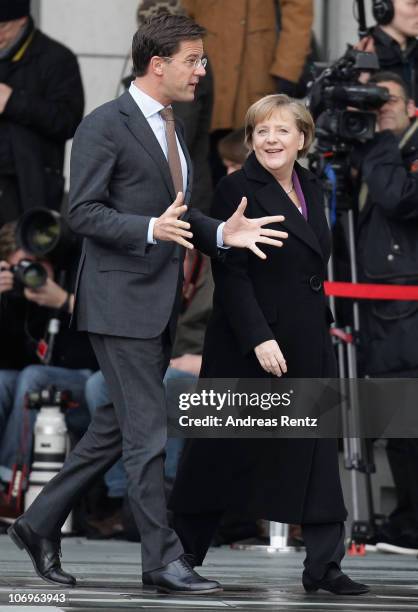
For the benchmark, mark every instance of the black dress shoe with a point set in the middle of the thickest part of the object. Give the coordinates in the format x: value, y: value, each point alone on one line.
x: 45, y: 554
x: 340, y: 585
x: 178, y: 577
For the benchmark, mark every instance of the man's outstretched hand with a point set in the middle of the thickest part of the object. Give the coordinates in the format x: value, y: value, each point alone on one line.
x: 239, y: 231
x: 169, y: 227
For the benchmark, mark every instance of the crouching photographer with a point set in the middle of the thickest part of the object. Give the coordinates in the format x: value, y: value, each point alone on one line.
x: 38, y: 349
x: 386, y: 170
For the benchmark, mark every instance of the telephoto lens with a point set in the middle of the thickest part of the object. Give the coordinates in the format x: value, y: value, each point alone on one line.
x: 50, y: 444
x: 38, y: 231
x: 44, y: 233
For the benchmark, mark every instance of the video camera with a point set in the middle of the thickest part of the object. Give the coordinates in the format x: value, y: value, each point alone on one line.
x: 342, y: 106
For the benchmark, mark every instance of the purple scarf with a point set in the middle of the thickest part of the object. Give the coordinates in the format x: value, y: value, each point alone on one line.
x: 299, y: 193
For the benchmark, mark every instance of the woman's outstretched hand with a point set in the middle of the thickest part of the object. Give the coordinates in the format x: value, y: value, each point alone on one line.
x: 239, y: 231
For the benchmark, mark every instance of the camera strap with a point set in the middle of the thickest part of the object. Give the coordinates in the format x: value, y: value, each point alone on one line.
x: 408, y: 134
x: 20, y: 469
x: 332, y: 179
x: 16, y: 488
x: 42, y: 349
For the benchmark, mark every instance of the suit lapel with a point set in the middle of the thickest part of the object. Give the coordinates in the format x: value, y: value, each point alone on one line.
x: 140, y: 129
x: 274, y: 201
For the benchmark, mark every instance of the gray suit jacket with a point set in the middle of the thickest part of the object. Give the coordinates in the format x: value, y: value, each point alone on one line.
x: 120, y: 179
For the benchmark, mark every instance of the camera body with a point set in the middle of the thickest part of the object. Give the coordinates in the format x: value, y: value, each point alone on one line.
x: 344, y: 126
x: 28, y: 274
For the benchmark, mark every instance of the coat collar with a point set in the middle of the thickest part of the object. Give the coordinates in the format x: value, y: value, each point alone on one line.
x: 389, y: 49
x: 28, y: 44
x: 273, y: 199
x: 141, y: 130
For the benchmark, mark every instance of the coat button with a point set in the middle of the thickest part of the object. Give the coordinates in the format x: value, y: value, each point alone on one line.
x: 315, y: 283
x: 175, y: 260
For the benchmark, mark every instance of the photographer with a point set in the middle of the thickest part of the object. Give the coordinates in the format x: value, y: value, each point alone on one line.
x: 387, y: 252
x: 24, y: 319
x: 394, y: 39
x: 41, y: 105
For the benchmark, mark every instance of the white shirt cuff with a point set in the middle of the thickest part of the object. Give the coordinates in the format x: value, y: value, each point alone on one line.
x: 219, y: 237
x: 150, y: 235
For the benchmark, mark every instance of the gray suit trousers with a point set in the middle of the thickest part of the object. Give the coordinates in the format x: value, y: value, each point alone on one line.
x: 136, y: 425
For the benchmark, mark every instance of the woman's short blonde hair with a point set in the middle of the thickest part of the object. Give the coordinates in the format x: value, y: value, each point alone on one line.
x: 264, y: 108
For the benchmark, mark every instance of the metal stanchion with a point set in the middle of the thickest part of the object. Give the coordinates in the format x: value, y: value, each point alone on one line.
x: 278, y: 540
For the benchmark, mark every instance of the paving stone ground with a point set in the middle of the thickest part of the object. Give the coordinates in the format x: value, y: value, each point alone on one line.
x: 108, y: 579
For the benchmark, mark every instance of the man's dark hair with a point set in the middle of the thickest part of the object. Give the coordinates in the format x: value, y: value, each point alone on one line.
x: 161, y: 35
x: 386, y: 75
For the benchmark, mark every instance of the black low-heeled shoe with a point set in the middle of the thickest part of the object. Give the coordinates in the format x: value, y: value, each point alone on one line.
x: 341, y: 585
x: 44, y: 553
x: 178, y: 577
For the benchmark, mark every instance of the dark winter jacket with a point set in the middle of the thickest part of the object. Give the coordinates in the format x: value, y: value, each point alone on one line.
x: 42, y: 113
x: 23, y: 324
x: 393, y: 58
x: 387, y: 252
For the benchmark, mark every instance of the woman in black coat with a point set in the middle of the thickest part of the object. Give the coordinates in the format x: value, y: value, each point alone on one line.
x: 270, y: 318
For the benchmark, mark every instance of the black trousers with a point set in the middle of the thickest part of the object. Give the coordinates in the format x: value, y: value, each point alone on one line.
x: 403, y: 460
x: 324, y: 542
x: 134, y: 426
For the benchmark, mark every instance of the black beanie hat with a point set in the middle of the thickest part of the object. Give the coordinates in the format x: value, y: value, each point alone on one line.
x: 14, y: 9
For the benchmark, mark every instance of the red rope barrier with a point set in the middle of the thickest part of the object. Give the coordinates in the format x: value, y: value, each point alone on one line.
x: 368, y: 291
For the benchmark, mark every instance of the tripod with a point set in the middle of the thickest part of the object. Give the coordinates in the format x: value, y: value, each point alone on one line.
x: 358, y: 452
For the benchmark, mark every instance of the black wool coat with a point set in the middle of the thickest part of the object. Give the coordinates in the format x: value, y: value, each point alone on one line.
x: 42, y: 113
x: 286, y: 480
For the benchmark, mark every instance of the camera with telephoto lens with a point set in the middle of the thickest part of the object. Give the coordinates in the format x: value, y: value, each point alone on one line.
x: 28, y: 274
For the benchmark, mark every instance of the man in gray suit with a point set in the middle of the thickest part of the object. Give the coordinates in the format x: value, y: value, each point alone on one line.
x: 128, y: 163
